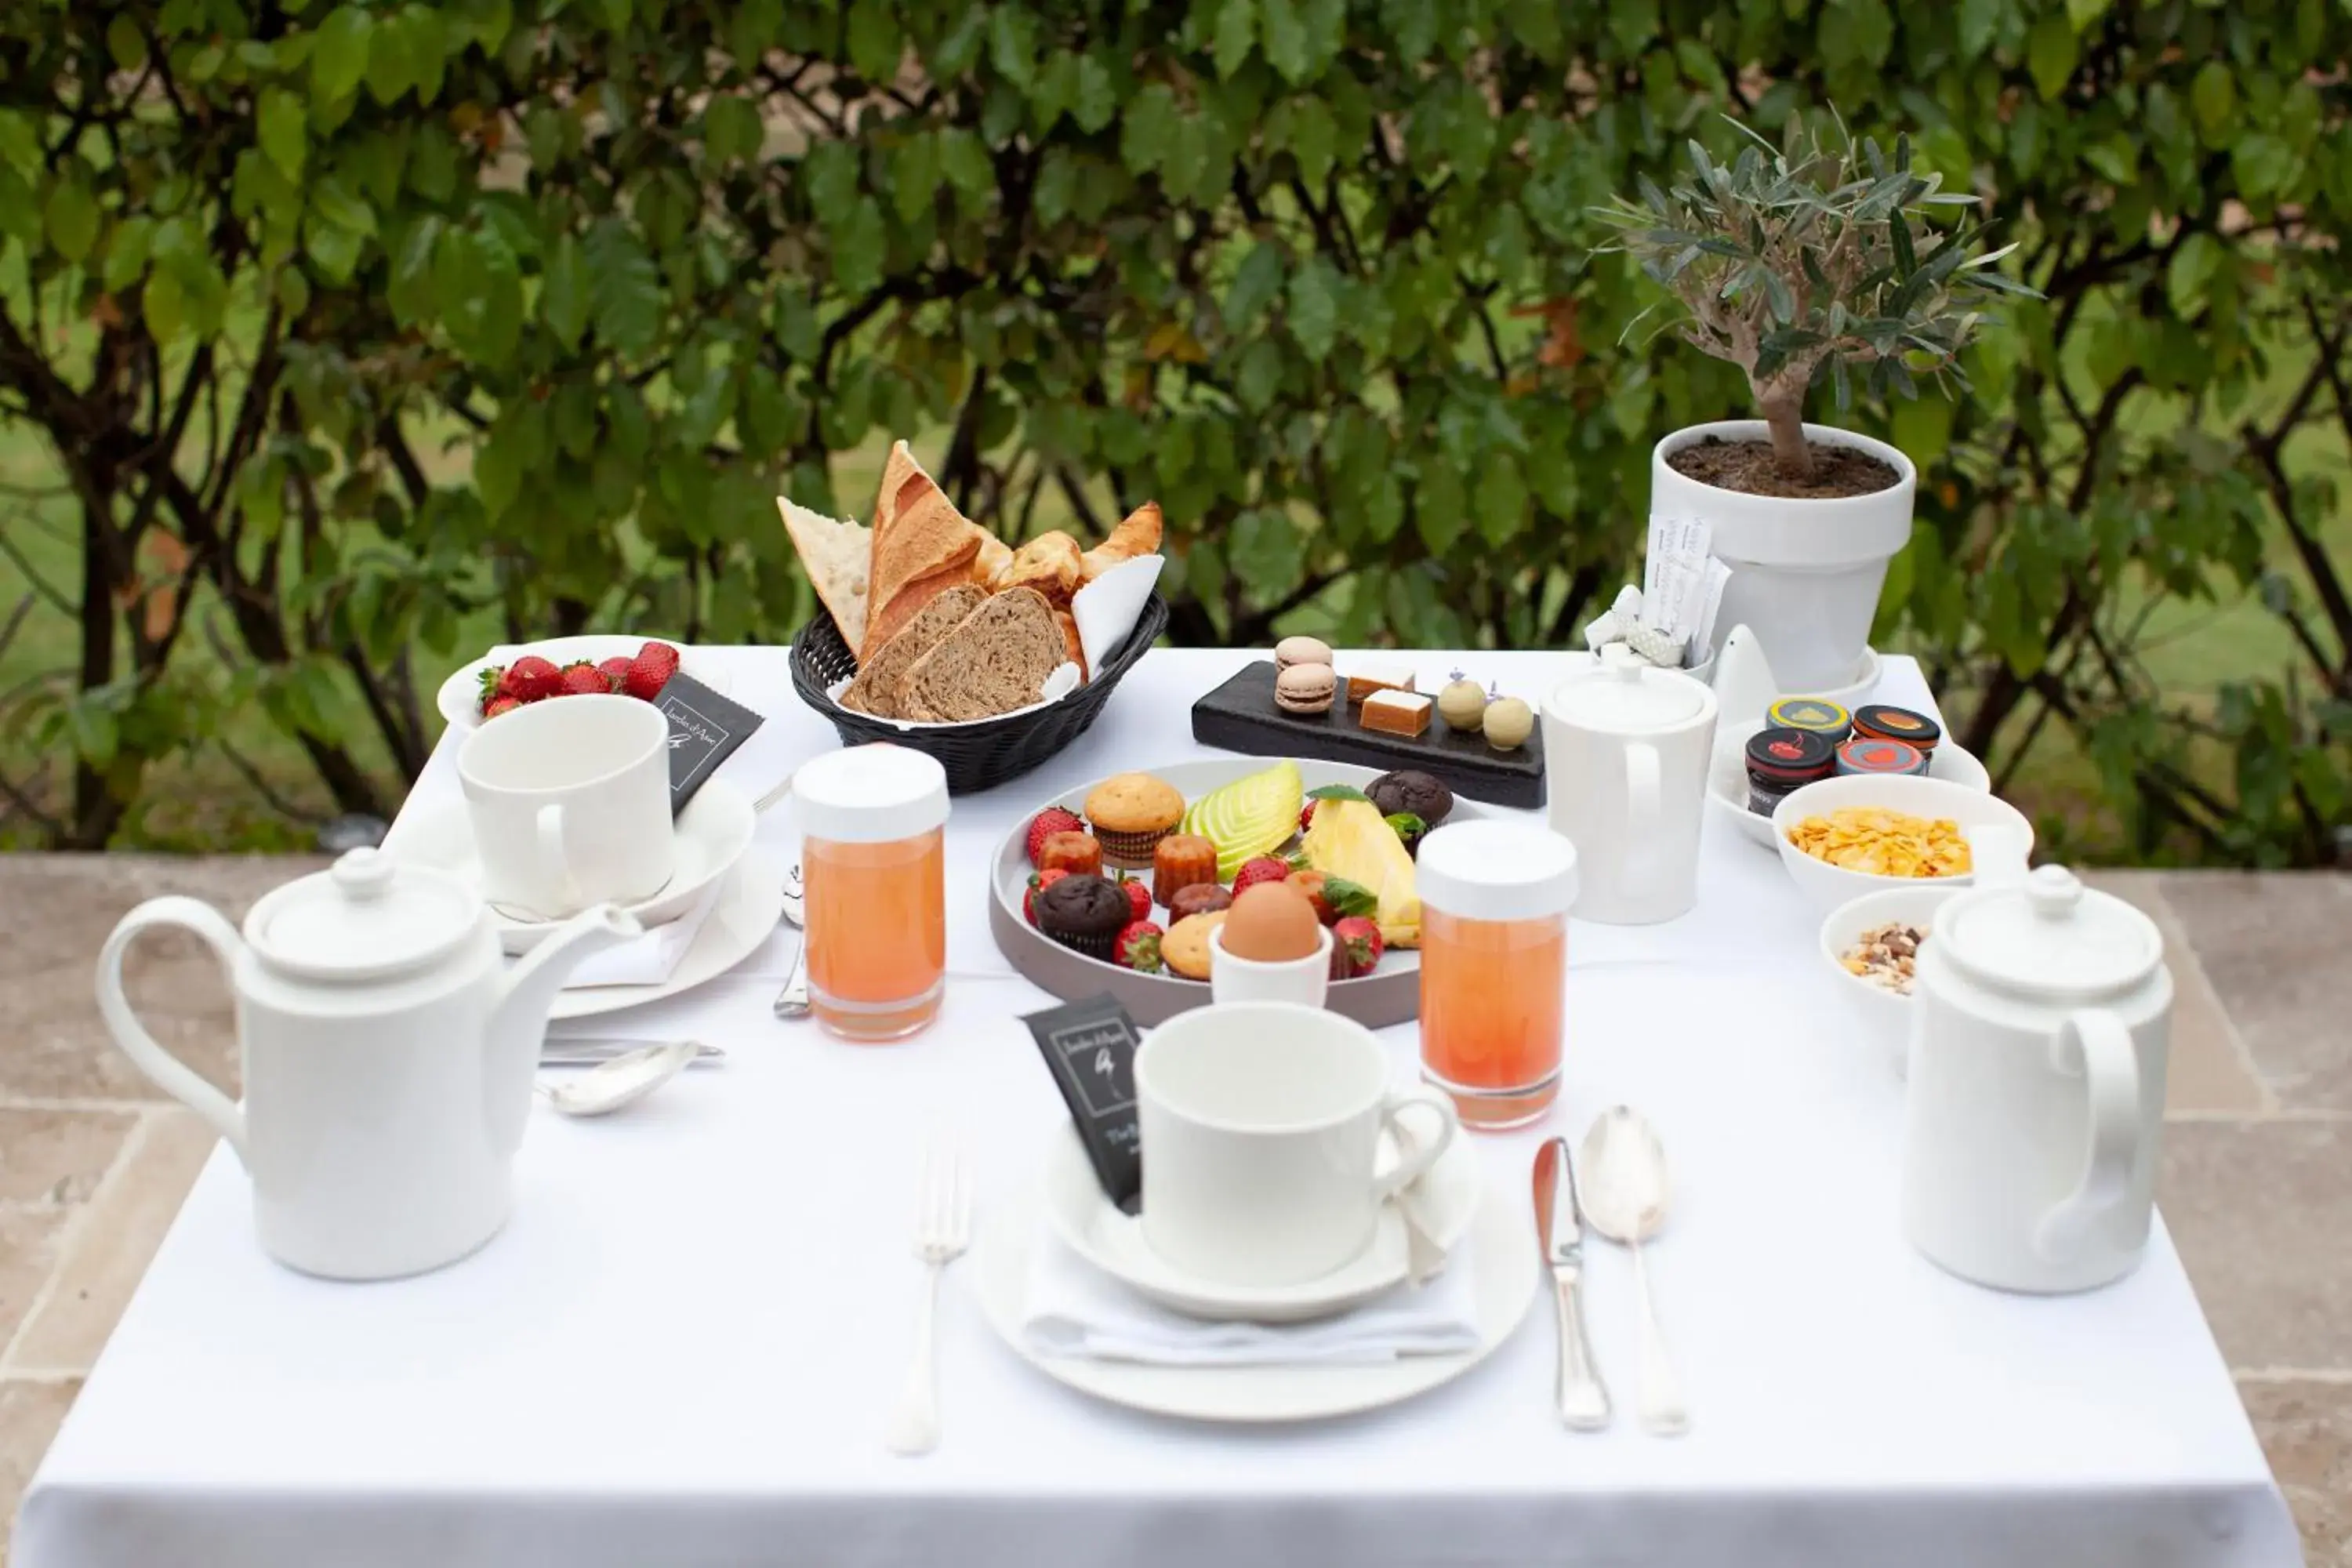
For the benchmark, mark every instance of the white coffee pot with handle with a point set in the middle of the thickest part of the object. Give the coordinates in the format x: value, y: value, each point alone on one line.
x: 2041, y: 1021
x: 388, y: 1054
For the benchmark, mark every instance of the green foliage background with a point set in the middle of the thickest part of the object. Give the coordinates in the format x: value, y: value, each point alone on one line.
x: 336, y: 338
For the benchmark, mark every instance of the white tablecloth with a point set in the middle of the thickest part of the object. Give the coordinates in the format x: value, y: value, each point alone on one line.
x: 684, y: 1348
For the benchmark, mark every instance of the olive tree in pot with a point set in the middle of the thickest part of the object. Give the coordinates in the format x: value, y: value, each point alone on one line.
x: 1816, y: 261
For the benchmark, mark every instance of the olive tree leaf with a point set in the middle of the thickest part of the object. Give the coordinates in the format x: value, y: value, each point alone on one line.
x: 566, y: 291
x: 1256, y: 282
x: 624, y: 288
x: 283, y: 126
x: 1236, y: 35
x: 71, y: 213
x: 339, y: 56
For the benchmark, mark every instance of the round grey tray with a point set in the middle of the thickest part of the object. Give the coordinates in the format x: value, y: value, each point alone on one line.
x: 1390, y: 995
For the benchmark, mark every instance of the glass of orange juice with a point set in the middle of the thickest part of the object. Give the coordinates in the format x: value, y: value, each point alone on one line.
x: 874, y: 877
x: 1494, y: 897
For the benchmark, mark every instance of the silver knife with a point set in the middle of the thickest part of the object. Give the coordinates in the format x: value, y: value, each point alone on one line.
x: 585, y: 1052
x: 1560, y: 1230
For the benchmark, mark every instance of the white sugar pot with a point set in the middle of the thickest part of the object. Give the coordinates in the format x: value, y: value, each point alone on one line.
x: 2041, y: 1018
x: 388, y: 1054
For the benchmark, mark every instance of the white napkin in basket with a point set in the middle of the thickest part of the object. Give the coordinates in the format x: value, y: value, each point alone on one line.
x: 1074, y: 1309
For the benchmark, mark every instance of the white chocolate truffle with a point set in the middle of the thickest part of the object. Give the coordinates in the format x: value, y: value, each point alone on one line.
x: 1509, y: 722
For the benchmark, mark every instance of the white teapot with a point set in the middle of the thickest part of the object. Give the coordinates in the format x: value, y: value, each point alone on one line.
x: 388, y: 1057
x: 2041, y: 1016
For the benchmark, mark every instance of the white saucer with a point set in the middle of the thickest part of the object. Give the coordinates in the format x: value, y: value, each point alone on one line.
x: 744, y: 917
x: 461, y: 697
x: 1504, y: 1279
x: 1113, y: 1242
x: 712, y: 834
x: 1727, y: 780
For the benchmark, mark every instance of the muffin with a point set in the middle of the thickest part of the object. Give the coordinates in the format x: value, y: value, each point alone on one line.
x: 1306, y: 689
x: 1200, y: 898
x: 1178, y: 862
x: 1085, y: 913
x: 1130, y: 815
x: 1077, y: 853
x: 1410, y: 791
x: 1185, y: 948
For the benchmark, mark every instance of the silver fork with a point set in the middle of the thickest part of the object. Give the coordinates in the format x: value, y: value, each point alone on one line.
x: 942, y: 1230
x: 793, y: 1001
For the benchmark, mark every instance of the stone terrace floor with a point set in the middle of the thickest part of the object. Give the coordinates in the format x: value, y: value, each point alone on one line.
x: 2257, y: 1184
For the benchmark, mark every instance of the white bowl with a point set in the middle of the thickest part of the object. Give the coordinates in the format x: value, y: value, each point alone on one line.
x: 1881, y: 1017
x: 1829, y: 886
x: 1727, y: 780
x: 461, y: 697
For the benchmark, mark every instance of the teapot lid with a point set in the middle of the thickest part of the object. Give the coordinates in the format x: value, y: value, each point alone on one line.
x: 366, y: 917
x: 2050, y: 937
x: 1622, y: 695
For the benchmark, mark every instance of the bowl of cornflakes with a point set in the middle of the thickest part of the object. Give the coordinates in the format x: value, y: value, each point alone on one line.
x: 1842, y: 837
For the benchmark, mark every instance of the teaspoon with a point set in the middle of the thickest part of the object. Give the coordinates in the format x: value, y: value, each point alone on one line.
x: 624, y: 1081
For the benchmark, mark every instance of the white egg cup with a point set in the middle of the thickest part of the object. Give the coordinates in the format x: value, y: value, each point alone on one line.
x: 1305, y: 982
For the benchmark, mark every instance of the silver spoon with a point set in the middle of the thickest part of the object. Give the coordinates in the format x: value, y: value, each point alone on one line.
x: 793, y: 1001
x: 624, y: 1081
x: 1625, y: 1190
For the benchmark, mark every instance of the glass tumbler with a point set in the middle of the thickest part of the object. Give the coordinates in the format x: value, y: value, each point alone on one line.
x: 1494, y: 897
x: 874, y: 877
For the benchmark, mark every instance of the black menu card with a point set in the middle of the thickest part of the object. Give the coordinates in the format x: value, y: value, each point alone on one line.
x: 1089, y: 1045
x: 704, y: 731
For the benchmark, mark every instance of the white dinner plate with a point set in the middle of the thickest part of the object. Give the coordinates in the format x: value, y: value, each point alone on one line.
x: 746, y: 913
x: 461, y: 697
x: 713, y: 832
x: 1113, y: 1241
x: 1503, y: 1276
x: 1727, y: 780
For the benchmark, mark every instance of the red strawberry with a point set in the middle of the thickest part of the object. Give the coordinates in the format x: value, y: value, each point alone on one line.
x: 1138, y: 895
x: 1264, y: 869
x: 584, y: 679
x: 497, y: 705
x: 1138, y: 945
x: 492, y: 686
x: 1038, y: 884
x: 650, y: 672
x: 1310, y: 882
x: 1051, y: 820
x: 530, y: 678
x: 1356, y: 947
x: 615, y: 671
x: 1307, y: 816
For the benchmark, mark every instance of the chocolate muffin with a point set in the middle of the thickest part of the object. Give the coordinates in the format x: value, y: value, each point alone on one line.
x: 1199, y: 899
x: 1084, y: 913
x: 1414, y: 792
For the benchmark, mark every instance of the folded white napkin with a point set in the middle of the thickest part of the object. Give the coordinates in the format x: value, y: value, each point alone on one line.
x: 649, y: 958
x: 1107, y: 608
x: 1074, y: 1309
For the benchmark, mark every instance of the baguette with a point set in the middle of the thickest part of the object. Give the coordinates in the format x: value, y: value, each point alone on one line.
x: 922, y: 547
x: 1137, y: 534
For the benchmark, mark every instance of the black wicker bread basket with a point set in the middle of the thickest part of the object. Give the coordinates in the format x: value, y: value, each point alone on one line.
x: 986, y: 753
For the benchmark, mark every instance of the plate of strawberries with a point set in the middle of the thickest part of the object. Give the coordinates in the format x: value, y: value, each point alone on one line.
x: 507, y: 678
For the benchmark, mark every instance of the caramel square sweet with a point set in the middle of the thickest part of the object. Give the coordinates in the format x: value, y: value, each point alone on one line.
x: 1362, y: 683
x: 1396, y: 712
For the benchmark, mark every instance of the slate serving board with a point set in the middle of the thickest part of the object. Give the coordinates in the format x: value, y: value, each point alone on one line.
x: 1240, y: 716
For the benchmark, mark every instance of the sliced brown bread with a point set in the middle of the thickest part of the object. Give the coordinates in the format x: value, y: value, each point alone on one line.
x: 875, y: 690
x: 992, y: 662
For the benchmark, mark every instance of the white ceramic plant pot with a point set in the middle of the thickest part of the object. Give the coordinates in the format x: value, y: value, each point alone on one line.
x: 1805, y: 575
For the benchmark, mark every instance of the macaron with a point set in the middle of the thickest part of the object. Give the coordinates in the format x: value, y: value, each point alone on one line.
x: 1292, y: 651
x: 1306, y: 687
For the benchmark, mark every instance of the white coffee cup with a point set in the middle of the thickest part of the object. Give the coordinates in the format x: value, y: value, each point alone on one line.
x: 1305, y: 981
x: 1626, y: 747
x: 1261, y: 1127
x: 569, y: 803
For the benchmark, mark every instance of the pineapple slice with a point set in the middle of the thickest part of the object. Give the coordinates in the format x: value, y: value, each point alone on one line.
x: 1350, y: 838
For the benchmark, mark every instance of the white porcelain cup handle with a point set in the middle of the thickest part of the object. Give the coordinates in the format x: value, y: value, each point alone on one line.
x: 1415, y: 1156
x: 2098, y: 1040
x: 554, y: 864
x: 173, y: 1076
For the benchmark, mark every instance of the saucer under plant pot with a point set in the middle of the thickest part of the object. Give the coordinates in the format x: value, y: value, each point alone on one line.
x: 1806, y: 569
x: 1824, y: 260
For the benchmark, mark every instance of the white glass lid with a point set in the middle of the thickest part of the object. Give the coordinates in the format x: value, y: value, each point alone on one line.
x: 1624, y: 696
x: 2050, y: 936
x: 874, y: 793
x: 363, y: 918
x: 1496, y: 870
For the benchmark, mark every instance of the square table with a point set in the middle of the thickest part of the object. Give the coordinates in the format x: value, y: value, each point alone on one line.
x: 684, y: 1348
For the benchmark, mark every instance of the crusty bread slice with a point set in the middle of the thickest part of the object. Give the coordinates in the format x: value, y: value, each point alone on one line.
x: 875, y: 690
x: 1073, y: 642
x: 922, y: 547
x: 1048, y: 564
x: 836, y: 555
x: 992, y: 662
x: 1137, y: 534
x: 995, y: 556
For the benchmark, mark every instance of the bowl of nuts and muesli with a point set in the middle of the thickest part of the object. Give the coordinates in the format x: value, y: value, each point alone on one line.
x: 1872, y: 944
